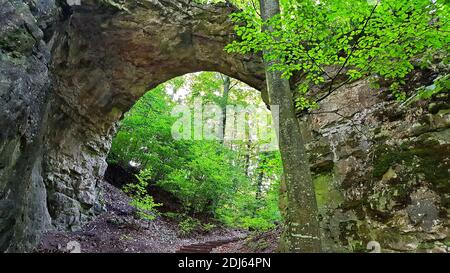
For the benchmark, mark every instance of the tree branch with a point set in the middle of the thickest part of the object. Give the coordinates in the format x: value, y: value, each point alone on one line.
x: 350, y: 54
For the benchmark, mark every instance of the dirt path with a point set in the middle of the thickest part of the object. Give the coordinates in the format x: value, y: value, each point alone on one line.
x: 118, y: 231
x: 206, y: 247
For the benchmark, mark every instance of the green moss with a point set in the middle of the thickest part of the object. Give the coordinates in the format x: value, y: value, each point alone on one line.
x: 447, y: 243
x: 18, y: 41
x: 443, y: 112
x: 326, y: 195
x: 115, y: 112
x: 426, y: 245
x: 425, y: 157
x: 387, y: 236
x: 321, y: 183
x: 385, y: 158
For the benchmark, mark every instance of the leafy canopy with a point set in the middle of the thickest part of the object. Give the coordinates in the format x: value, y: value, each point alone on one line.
x: 208, y: 177
x: 333, y: 42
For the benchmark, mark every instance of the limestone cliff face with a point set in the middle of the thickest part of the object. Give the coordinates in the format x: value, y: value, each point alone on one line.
x: 382, y: 171
x: 70, y: 69
x: 25, y: 85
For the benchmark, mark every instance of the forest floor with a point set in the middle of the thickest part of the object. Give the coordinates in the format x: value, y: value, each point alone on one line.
x: 261, y: 242
x: 118, y: 231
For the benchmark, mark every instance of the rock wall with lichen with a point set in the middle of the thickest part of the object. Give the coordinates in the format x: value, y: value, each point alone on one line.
x: 382, y: 170
x: 25, y: 85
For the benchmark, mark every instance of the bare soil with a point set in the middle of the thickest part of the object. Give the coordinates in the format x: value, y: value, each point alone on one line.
x: 118, y: 230
x: 261, y: 242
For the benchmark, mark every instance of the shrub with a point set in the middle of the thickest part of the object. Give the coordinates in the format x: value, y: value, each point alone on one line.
x: 208, y: 227
x: 188, y: 226
x: 140, y: 199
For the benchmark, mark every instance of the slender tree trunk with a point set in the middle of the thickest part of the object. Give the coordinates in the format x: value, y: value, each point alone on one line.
x: 259, y: 182
x: 302, y: 232
x: 226, y: 92
x: 247, y: 157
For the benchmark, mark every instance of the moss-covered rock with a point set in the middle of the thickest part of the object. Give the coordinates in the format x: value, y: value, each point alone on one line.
x: 389, y: 170
x: 326, y: 193
x: 24, y: 89
x: 18, y: 41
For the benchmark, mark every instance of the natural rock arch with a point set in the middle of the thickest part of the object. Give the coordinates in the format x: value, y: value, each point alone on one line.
x: 103, y: 59
x: 65, y: 81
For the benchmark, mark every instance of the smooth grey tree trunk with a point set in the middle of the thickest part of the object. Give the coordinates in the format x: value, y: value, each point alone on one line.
x: 302, y: 233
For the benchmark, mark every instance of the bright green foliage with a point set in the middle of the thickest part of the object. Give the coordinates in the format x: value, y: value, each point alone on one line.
x: 145, y: 136
x: 207, y: 227
x: 144, y: 203
x: 440, y: 84
x: 188, y: 226
x: 244, y: 210
x: 208, y: 177
x: 256, y: 212
x: 207, y: 86
x: 355, y: 38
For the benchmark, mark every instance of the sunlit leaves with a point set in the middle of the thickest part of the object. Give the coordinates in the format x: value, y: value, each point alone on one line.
x: 364, y: 37
x: 206, y: 176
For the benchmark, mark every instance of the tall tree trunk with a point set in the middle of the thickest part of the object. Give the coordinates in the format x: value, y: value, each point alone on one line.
x: 225, y: 95
x: 259, y: 182
x: 302, y: 232
x: 247, y: 156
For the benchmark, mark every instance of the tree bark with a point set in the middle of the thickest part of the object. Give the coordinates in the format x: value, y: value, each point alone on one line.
x: 302, y: 232
x: 225, y: 95
x: 261, y: 170
x: 248, y: 150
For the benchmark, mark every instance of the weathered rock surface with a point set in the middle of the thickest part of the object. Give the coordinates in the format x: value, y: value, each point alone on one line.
x: 382, y: 171
x: 24, y: 88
